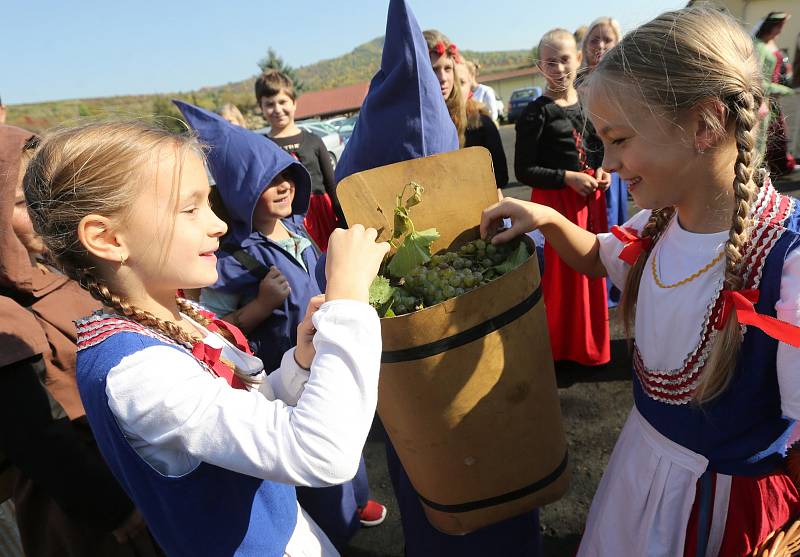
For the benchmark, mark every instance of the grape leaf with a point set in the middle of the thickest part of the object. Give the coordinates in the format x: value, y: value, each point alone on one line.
x: 516, y: 259
x: 413, y: 252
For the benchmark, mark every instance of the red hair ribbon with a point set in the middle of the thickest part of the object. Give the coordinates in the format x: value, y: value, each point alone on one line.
x: 742, y: 302
x: 634, y: 244
x: 451, y: 50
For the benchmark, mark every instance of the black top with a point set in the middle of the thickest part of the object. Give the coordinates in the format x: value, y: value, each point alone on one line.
x: 59, y: 455
x: 487, y: 136
x: 312, y: 153
x: 547, y: 145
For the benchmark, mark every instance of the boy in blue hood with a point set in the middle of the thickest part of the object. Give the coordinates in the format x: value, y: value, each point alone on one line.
x: 268, y: 271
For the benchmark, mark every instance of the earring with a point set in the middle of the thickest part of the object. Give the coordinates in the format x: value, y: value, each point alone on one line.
x: 121, y: 259
x: 700, y: 151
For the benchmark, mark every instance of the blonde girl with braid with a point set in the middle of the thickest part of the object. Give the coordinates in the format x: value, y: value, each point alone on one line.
x: 206, y: 445
x: 711, y: 275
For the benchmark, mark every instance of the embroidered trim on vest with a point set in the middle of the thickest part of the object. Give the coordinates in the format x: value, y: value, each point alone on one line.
x: 98, y: 327
x: 677, y: 386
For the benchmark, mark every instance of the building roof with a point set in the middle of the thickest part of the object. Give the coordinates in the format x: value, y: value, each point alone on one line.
x: 338, y: 100
x: 331, y: 101
x: 499, y: 76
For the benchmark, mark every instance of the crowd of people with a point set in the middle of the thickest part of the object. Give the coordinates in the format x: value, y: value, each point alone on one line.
x: 188, y: 377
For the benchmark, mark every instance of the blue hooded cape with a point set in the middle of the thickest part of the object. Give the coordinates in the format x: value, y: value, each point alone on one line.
x: 243, y: 164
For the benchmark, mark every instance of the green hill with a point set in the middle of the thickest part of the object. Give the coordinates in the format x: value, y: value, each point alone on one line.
x: 358, y: 65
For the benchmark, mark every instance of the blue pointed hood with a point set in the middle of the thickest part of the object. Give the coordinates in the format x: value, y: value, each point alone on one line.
x: 404, y: 115
x: 243, y: 164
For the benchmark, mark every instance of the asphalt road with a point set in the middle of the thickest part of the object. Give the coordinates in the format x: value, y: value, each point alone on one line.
x: 594, y: 405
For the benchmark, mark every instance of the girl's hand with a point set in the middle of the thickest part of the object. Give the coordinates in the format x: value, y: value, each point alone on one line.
x: 304, y: 352
x: 273, y: 290
x: 353, y: 261
x: 525, y: 217
x: 603, y: 179
x: 581, y: 182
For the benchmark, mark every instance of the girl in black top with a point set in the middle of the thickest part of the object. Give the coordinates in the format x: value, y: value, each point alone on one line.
x: 559, y: 156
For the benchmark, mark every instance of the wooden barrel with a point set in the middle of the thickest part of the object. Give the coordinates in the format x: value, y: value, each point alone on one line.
x: 467, y: 391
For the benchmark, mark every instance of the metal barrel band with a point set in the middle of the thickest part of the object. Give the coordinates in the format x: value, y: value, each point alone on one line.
x: 500, y: 499
x: 464, y: 337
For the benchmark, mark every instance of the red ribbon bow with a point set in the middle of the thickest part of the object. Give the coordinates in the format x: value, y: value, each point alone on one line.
x: 742, y: 302
x: 634, y: 244
x: 211, y: 357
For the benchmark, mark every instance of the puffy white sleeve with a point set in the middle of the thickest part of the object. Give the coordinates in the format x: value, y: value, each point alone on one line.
x: 163, y: 397
x: 788, y: 359
x: 611, y: 247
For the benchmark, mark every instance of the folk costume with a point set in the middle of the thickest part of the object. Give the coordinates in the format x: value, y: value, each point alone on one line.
x: 420, y: 126
x: 707, y: 479
x: 67, y: 501
x: 243, y: 165
x: 552, y: 139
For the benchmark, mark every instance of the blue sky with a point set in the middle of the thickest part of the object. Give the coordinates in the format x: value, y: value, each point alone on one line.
x: 91, y: 48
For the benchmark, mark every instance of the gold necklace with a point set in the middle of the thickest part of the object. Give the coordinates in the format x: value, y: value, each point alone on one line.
x: 690, y: 278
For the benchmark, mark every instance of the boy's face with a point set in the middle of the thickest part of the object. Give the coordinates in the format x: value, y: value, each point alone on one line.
x: 559, y: 61
x: 278, y: 110
x: 275, y: 201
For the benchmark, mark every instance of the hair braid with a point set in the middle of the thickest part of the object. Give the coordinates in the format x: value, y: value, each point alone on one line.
x: 653, y: 229
x: 725, y: 350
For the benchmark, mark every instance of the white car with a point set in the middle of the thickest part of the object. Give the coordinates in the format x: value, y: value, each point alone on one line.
x: 330, y: 137
x: 334, y: 142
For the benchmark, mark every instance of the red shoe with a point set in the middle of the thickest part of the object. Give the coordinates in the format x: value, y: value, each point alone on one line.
x: 371, y: 514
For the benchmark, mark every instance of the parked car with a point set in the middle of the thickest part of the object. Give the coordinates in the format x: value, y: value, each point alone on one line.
x: 344, y: 126
x: 520, y: 99
x: 334, y: 142
x: 501, y: 108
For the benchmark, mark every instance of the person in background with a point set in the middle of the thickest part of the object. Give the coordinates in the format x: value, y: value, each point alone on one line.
x: 602, y: 35
x: 480, y: 92
x: 579, y: 34
x: 2, y: 112
x: 67, y: 501
x: 481, y: 130
x: 443, y: 57
x: 276, y: 97
x: 232, y: 114
x: 773, y: 142
x: 557, y: 154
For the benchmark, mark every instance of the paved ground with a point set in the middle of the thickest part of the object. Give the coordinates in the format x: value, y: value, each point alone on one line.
x: 594, y: 404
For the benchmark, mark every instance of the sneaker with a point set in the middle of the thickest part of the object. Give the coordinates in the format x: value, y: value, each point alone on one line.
x: 371, y: 514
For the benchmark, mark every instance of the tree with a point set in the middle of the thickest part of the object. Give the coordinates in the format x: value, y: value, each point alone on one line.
x: 274, y: 62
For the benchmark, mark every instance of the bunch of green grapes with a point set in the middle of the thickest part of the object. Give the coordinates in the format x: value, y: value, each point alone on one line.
x: 451, y: 274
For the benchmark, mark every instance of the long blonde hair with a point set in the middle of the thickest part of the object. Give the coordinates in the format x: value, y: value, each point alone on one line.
x: 455, y: 102
x: 94, y: 169
x: 679, y: 61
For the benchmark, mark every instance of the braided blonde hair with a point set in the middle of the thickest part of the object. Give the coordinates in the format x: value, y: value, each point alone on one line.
x: 94, y: 169
x: 682, y: 60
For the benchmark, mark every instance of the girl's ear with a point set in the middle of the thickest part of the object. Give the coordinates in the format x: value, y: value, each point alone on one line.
x: 579, y: 55
x: 98, y: 236
x: 709, y: 117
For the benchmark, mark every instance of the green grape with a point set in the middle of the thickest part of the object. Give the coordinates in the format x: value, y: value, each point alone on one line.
x: 469, y: 281
x: 490, y: 249
x: 448, y: 292
x: 459, y: 291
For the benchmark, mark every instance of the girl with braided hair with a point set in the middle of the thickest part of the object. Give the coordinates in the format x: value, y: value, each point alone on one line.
x: 711, y: 275
x: 207, y: 446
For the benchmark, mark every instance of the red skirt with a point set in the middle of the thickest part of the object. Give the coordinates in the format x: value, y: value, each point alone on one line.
x: 757, y: 507
x: 576, y: 305
x: 320, y: 220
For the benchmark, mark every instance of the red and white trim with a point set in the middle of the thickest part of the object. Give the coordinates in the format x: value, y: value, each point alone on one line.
x: 676, y: 386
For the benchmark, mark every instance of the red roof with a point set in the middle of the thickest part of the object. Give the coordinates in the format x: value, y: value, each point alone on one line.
x: 488, y: 78
x: 331, y: 101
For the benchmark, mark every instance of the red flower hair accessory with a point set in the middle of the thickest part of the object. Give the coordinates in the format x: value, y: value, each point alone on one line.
x: 451, y: 50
